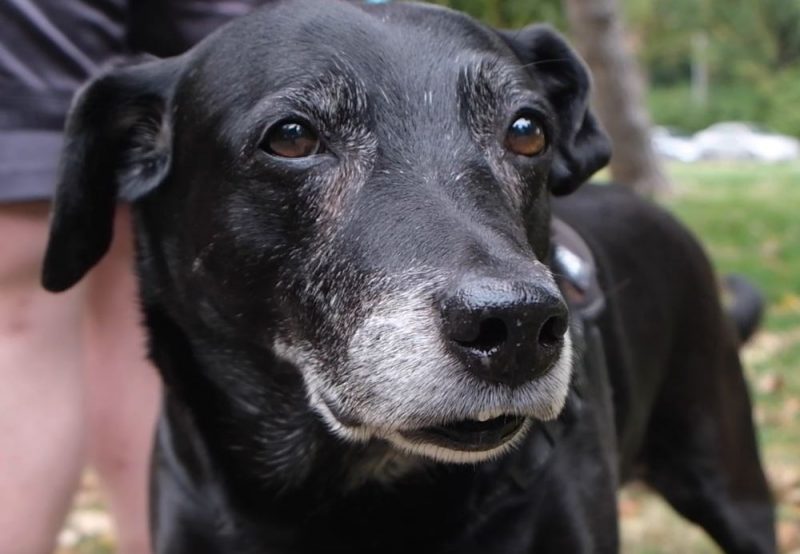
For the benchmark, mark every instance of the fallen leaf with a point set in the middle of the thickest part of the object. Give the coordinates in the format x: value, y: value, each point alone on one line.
x: 793, y: 496
x: 628, y: 508
x: 788, y: 536
x: 783, y: 477
x: 790, y: 409
x: 770, y: 383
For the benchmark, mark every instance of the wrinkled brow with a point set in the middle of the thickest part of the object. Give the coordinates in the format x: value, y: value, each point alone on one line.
x: 334, y: 98
x: 486, y: 87
x: 492, y: 76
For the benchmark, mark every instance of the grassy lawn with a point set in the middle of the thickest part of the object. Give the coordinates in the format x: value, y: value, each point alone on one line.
x: 747, y: 217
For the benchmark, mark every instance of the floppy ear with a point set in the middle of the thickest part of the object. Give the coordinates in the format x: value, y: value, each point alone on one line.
x: 582, y: 145
x: 117, y: 146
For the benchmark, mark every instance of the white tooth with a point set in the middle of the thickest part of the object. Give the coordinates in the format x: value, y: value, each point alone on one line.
x: 484, y: 416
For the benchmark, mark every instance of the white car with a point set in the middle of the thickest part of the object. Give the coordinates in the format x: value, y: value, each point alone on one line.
x: 672, y: 145
x: 744, y: 141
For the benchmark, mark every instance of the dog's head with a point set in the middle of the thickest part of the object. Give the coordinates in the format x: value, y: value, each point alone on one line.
x: 361, y: 191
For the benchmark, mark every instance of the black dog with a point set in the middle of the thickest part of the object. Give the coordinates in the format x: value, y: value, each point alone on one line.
x: 343, y: 226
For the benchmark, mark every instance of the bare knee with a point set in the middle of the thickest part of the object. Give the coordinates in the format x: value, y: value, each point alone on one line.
x: 41, y: 400
x: 23, y: 236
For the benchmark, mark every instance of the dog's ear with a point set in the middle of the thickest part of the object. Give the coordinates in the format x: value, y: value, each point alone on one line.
x: 582, y: 146
x: 117, y: 146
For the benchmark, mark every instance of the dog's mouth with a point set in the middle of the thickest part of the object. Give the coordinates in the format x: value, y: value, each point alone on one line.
x: 469, y: 435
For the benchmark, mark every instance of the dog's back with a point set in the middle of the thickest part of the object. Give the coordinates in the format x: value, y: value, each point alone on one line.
x: 682, y: 409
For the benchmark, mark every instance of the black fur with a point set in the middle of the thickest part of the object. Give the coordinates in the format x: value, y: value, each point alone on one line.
x: 259, y: 275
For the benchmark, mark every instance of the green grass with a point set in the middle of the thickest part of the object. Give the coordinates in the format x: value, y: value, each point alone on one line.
x: 747, y: 217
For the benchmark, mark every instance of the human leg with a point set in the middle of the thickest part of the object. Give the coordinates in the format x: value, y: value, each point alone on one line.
x: 123, y: 389
x: 41, y: 388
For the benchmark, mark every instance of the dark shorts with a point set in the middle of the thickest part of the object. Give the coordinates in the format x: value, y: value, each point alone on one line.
x: 28, y: 165
x: 49, y: 47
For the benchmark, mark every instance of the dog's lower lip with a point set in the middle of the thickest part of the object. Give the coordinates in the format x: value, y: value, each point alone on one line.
x: 469, y: 435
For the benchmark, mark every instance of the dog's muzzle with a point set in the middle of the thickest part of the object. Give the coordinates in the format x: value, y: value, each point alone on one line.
x: 457, y: 380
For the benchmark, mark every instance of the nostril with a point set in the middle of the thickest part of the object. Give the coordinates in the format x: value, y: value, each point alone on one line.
x: 552, y: 331
x: 492, y: 333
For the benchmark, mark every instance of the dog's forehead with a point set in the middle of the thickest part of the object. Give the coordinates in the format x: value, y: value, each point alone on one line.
x: 290, y: 43
x: 352, y: 28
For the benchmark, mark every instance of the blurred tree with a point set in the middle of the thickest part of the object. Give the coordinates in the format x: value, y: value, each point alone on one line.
x: 783, y: 18
x: 662, y: 34
x: 752, y: 57
x: 743, y: 35
x: 618, y: 94
x: 510, y: 14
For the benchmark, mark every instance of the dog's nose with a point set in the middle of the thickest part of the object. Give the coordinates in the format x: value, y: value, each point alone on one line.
x: 505, y: 332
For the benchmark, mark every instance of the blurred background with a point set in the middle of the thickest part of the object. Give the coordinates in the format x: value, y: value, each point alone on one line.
x: 701, y: 98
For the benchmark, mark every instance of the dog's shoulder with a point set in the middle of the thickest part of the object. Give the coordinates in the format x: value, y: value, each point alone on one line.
x: 617, y: 222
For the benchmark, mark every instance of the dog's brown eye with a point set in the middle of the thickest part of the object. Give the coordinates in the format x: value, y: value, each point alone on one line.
x: 526, y: 137
x: 291, y: 139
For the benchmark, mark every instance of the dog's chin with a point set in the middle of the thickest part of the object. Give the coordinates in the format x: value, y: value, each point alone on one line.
x: 466, y: 441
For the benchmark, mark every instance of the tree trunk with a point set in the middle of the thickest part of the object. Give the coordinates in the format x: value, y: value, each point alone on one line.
x: 700, y: 69
x: 598, y: 33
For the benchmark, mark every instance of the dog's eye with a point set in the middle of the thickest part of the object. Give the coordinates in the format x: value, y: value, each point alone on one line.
x: 291, y: 139
x: 526, y: 137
